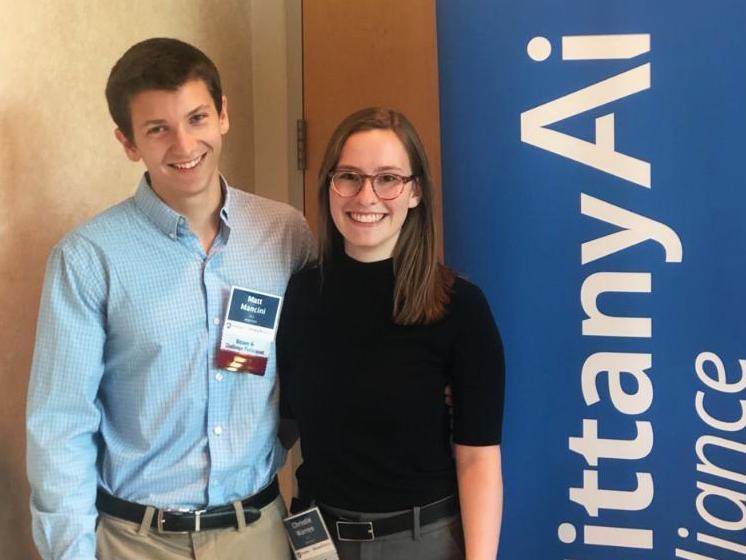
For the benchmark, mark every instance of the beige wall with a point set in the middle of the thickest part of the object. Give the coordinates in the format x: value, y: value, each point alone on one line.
x: 60, y: 164
x: 277, y: 96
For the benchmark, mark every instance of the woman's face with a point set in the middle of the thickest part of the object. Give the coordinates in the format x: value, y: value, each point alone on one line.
x: 370, y: 226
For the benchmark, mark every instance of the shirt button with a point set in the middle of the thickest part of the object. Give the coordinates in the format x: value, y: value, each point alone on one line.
x: 216, y: 321
x: 218, y: 376
x: 218, y: 430
x: 172, y: 235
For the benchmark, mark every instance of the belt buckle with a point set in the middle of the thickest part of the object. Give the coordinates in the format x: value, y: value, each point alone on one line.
x: 197, y: 513
x: 371, y: 535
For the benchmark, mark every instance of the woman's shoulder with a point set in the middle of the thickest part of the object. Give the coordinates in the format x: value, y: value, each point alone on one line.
x: 303, y: 283
x: 301, y: 294
x: 464, y: 292
x: 308, y: 276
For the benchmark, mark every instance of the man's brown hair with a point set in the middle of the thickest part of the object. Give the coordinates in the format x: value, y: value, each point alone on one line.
x: 157, y: 64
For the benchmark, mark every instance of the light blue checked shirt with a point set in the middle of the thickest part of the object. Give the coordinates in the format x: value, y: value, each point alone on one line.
x: 124, y: 392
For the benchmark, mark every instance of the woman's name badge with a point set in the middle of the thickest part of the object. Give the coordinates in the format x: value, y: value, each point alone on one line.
x: 309, y: 537
x: 248, y: 331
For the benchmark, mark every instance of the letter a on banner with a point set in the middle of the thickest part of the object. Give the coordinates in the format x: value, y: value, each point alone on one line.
x: 600, y: 154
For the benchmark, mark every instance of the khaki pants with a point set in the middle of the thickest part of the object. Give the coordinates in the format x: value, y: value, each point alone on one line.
x: 264, y: 539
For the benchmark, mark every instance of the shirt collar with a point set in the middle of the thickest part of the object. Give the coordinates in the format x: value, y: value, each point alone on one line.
x: 166, y: 218
x: 228, y: 202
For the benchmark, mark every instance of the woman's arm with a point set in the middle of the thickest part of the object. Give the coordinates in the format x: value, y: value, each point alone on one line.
x: 480, y: 486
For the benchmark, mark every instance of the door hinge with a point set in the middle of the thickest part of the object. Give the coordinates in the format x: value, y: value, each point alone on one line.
x: 300, y: 135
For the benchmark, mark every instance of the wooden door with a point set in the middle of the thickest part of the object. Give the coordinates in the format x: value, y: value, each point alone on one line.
x: 361, y: 53
x: 357, y: 54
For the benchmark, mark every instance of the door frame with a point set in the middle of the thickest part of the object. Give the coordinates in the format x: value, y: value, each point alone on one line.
x: 277, y: 98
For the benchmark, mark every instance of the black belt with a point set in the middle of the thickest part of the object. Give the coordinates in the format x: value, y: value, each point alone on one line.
x: 187, y: 521
x: 351, y: 530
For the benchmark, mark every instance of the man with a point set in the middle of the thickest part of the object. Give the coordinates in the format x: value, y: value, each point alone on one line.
x: 139, y: 444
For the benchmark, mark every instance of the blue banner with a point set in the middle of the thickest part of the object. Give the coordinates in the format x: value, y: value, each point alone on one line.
x: 593, y: 187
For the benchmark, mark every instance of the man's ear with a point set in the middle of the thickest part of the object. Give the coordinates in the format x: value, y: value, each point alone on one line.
x: 129, y: 147
x: 223, y: 117
x: 416, y: 195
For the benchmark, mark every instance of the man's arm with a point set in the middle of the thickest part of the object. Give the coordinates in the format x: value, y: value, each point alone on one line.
x: 62, y: 418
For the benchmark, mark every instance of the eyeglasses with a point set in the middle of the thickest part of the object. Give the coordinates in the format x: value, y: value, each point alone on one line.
x: 387, y: 186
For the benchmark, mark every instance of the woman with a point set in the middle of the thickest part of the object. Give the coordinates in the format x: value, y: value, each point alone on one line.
x: 368, y: 342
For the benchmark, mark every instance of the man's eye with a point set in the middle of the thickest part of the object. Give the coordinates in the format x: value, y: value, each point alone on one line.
x: 199, y: 117
x: 155, y: 130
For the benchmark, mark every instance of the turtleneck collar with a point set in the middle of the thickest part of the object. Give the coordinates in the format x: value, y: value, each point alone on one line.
x: 344, y: 260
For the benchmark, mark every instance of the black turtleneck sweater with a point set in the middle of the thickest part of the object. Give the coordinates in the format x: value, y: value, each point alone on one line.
x: 368, y: 394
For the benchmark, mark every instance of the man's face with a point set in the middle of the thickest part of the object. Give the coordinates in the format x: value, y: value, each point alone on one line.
x: 178, y: 135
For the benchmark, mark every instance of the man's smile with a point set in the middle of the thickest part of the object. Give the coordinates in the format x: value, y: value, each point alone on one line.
x: 191, y: 164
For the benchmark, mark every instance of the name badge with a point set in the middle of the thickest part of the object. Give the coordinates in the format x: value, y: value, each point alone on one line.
x: 309, y: 537
x: 249, y: 328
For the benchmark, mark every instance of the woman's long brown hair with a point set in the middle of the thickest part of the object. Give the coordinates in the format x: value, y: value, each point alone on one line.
x: 421, y: 284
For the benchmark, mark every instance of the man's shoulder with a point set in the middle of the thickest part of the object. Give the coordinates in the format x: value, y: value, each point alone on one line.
x: 256, y: 207
x: 273, y: 229
x: 108, y: 226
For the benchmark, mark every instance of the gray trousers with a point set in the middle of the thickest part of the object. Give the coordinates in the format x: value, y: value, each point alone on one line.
x: 440, y: 540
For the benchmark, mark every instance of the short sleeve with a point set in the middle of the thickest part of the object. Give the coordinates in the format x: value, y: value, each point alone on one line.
x: 478, y: 369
